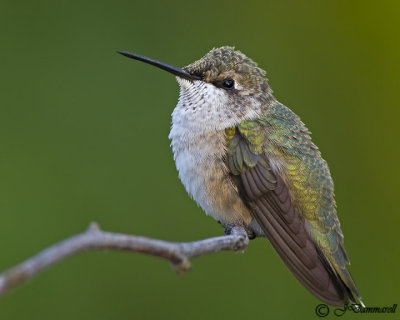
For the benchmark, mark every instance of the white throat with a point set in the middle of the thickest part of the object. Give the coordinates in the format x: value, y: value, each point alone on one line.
x: 204, y: 109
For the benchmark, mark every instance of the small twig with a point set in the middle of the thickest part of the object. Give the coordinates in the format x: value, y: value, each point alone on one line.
x: 95, y: 239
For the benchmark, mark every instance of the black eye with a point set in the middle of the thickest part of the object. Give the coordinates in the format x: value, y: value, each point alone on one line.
x: 228, y: 83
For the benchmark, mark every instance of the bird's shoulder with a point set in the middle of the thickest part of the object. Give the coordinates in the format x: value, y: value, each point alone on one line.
x: 280, y: 142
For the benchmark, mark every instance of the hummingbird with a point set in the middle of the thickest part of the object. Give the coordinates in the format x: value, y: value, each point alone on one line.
x: 248, y: 160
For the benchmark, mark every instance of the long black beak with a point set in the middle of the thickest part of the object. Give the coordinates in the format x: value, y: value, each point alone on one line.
x: 174, y: 70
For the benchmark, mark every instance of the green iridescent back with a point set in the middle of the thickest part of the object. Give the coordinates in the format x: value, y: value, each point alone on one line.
x: 285, y: 143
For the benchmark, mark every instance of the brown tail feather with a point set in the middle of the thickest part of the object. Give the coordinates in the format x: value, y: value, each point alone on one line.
x: 318, y: 279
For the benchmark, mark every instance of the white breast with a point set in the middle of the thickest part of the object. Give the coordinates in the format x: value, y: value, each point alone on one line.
x: 203, y: 173
x: 198, y: 142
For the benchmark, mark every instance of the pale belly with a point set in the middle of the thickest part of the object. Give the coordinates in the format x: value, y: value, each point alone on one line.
x: 205, y: 177
x: 208, y: 184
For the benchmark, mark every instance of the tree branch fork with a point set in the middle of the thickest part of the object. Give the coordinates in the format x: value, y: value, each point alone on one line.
x: 178, y: 253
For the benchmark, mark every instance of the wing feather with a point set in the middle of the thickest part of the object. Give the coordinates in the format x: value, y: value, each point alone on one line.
x: 266, y: 194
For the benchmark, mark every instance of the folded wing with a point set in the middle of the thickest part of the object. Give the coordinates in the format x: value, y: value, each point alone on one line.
x: 267, y: 196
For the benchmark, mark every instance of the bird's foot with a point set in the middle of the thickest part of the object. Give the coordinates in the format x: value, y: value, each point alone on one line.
x: 228, y: 230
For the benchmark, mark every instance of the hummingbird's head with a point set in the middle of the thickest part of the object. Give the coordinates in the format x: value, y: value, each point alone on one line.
x: 218, y: 91
x: 231, y: 89
x: 232, y: 71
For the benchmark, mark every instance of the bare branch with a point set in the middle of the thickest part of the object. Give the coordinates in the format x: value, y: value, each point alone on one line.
x: 95, y: 239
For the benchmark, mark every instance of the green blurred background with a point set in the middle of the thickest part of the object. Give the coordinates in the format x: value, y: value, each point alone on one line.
x: 84, y: 137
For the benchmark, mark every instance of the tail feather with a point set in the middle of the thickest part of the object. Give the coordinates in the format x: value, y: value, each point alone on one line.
x: 344, y: 291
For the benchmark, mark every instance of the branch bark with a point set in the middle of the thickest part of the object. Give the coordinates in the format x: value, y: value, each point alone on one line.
x: 178, y: 253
